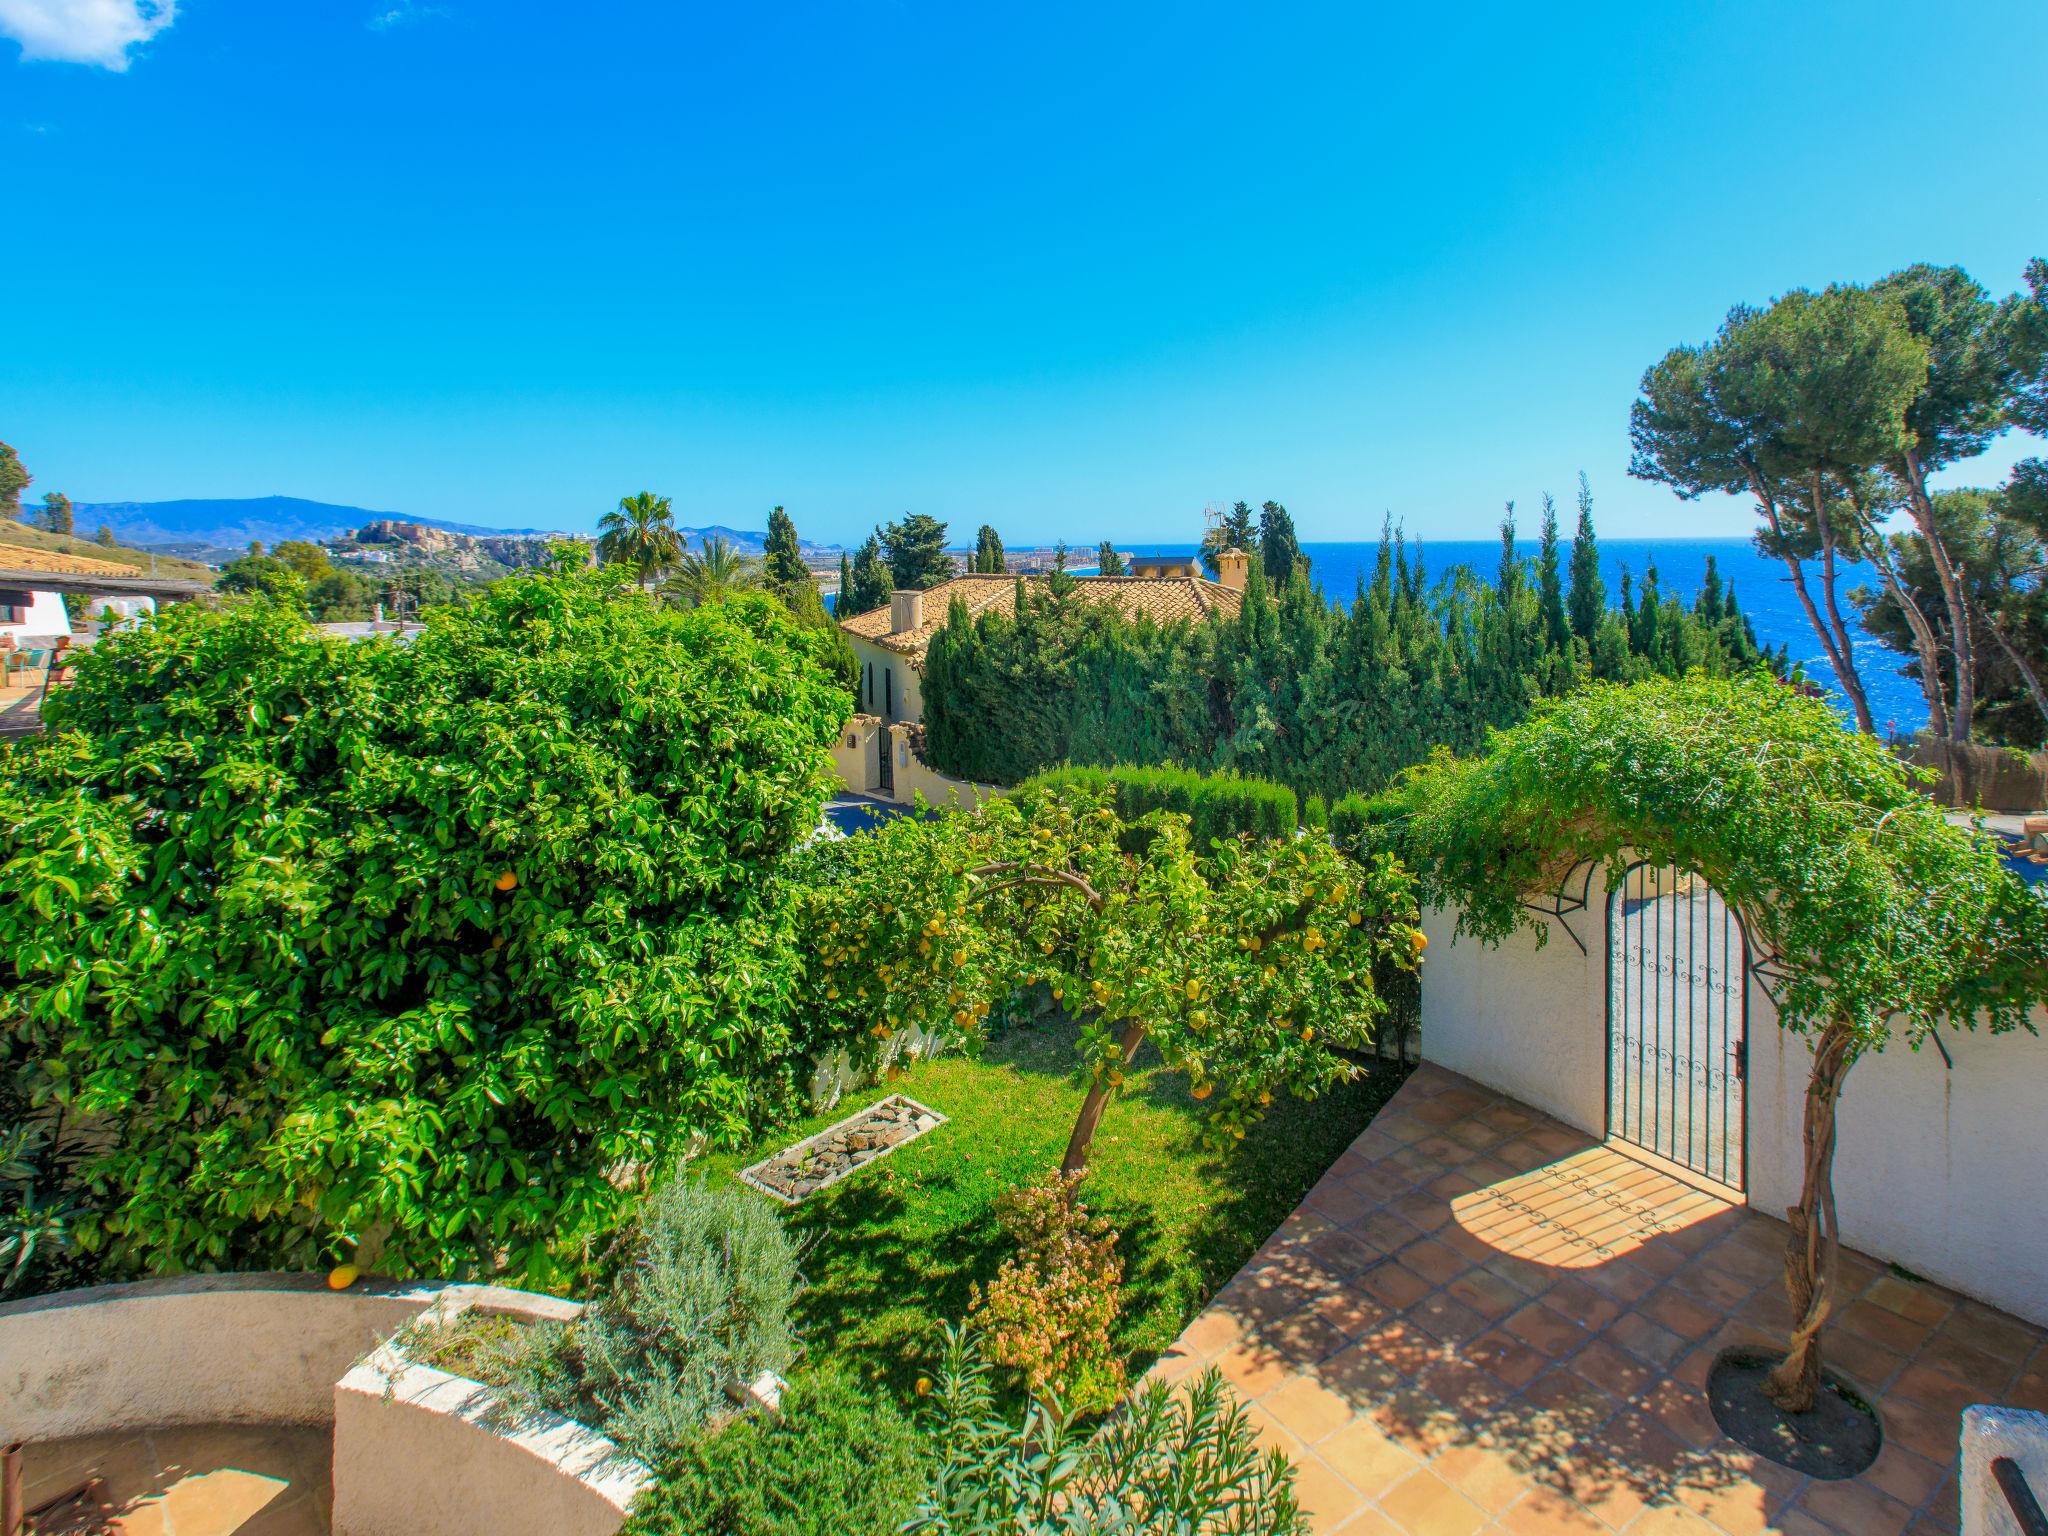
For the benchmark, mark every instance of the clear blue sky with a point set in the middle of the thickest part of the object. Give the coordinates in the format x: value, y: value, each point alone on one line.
x: 1074, y: 270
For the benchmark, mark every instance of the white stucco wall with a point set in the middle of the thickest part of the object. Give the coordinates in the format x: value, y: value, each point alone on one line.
x: 1942, y: 1171
x: 416, y: 1449
x: 200, y: 1349
x: 45, y: 619
x: 1527, y: 1021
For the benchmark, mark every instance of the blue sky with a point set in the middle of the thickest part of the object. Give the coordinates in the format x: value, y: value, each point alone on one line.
x: 1074, y: 270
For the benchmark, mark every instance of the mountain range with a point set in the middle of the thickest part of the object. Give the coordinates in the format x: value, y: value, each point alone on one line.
x: 219, y: 530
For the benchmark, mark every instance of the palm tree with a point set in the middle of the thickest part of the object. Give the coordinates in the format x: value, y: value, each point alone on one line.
x: 717, y: 573
x: 642, y: 532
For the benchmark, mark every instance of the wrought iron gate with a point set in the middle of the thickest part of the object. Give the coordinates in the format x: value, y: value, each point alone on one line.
x: 1677, y: 1021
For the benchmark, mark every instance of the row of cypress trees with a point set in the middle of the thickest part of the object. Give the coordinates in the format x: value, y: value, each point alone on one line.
x: 1327, y: 701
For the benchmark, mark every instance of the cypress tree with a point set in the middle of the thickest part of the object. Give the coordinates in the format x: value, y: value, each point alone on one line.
x: 1710, y: 606
x: 1587, y: 599
x: 989, y: 558
x: 782, y: 561
x: 1550, y: 579
x: 1279, y: 550
x: 871, y: 580
x: 839, y: 604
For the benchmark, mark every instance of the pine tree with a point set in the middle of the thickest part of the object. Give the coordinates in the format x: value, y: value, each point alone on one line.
x: 1710, y: 607
x: 1587, y: 599
x: 1279, y: 550
x: 13, y: 481
x: 916, y: 551
x: 1556, y: 628
x: 57, y: 512
x: 782, y: 561
x: 1108, y: 562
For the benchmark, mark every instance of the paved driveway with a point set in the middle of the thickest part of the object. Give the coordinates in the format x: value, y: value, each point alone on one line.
x: 1480, y: 1320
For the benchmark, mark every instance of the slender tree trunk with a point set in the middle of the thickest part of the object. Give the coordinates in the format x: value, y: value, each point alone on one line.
x: 2018, y: 658
x: 1076, y: 1160
x: 1827, y: 590
x: 1813, y: 1252
x: 1922, y: 507
x: 1926, y: 644
x: 1844, y: 665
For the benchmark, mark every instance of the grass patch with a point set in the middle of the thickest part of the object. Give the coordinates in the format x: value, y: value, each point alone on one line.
x: 896, y: 1248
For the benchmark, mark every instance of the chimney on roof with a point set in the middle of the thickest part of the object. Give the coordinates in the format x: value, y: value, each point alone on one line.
x: 906, y: 612
x: 1232, y: 566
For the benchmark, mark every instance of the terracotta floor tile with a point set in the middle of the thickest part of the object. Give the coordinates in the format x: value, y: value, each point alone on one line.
x: 1304, y: 1338
x: 1646, y: 1339
x: 1368, y: 1522
x: 1912, y: 1299
x: 1444, y: 1317
x: 1508, y: 1358
x: 1351, y: 1311
x: 1486, y: 1477
x: 1251, y: 1370
x: 1486, y: 1294
x: 1423, y: 1504
x: 1394, y: 1285
x: 1546, y: 1330
x: 1670, y: 1520
x: 1367, y: 1457
x: 1436, y: 1262
x: 1213, y: 1330
x: 1326, y: 1498
x: 1854, y: 1505
x: 1307, y: 1410
x: 1983, y: 1373
x: 1544, y: 1513
x: 1992, y: 1331
x: 1881, y: 1325
x: 1612, y: 1370
x: 1906, y: 1476
x: 1680, y: 1313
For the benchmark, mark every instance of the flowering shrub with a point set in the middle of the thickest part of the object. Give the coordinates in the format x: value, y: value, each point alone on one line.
x: 1049, y: 1309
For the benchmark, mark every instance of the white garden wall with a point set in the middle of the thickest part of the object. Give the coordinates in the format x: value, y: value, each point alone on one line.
x: 1943, y: 1171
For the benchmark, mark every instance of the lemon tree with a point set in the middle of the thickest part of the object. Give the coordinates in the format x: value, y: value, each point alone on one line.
x: 1249, y: 968
x: 421, y: 957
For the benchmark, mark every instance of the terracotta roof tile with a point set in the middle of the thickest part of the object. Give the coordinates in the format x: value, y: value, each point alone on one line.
x: 1164, y: 600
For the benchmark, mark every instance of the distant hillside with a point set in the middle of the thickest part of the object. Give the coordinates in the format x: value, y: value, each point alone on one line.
x: 22, y: 534
x: 749, y: 541
x: 222, y: 529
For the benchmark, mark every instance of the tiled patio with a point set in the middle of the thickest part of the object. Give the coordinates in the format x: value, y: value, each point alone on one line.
x: 207, y: 1480
x: 1480, y: 1320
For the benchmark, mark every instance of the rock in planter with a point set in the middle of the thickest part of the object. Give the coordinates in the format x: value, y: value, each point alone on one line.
x: 842, y: 1149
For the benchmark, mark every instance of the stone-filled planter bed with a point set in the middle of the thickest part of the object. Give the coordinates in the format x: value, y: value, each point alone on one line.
x: 842, y: 1149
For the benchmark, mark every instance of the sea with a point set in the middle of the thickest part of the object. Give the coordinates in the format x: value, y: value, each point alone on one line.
x: 1761, y: 588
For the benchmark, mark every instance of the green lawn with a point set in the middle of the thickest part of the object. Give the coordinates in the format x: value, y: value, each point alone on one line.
x: 894, y: 1249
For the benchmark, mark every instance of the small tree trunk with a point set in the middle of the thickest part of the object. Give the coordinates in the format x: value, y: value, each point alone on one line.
x: 1926, y: 646
x: 1813, y: 1252
x: 1921, y: 505
x: 1827, y: 591
x: 1076, y: 1160
x: 1843, y: 663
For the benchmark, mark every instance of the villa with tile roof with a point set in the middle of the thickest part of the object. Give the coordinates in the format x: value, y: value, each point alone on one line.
x: 890, y: 642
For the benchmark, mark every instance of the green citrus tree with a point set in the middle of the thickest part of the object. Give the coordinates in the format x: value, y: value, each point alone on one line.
x: 1248, y: 967
x: 1886, y: 922
x: 422, y: 953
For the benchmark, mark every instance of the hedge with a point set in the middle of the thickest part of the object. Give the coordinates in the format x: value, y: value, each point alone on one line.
x: 1217, y: 805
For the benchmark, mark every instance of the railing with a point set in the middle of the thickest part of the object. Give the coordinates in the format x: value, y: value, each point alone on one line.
x: 2026, y: 1509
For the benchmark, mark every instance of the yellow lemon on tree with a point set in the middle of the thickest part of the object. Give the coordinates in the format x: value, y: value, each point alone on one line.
x: 1421, y: 941
x: 341, y: 1277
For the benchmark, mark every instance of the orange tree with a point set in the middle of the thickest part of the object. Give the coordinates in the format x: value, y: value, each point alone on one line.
x: 1248, y: 967
x: 1886, y: 922
x: 421, y: 950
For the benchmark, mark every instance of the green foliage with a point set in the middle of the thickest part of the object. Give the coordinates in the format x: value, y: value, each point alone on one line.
x: 57, y: 512
x: 839, y: 1464
x: 1171, y: 1463
x: 782, y: 560
x: 712, y: 574
x: 1217, y: 805
x: 915, y: 550
x: 39, y: 1203
x: 410, y: 948
x: 1249, y: 968
x: 1883, y: 917
x: 13, y: 481
x: 1325, y: 702
x: 1051, y: 1309
x: 640, y: 532
x: 699, y: 1295
x: 1279, y: 550
x: 871, y: 581
x: 988, y: 553
x: 1108, y: 562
